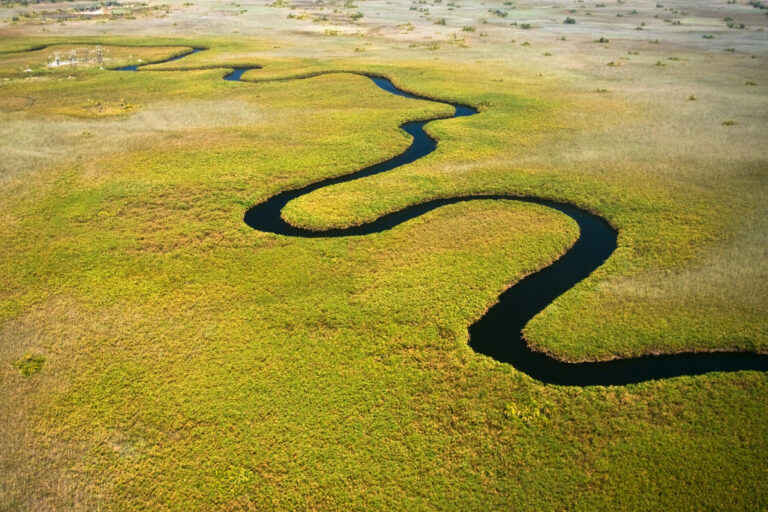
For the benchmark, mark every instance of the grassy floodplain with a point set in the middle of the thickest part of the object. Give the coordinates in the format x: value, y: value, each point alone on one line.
x: 156, y: 353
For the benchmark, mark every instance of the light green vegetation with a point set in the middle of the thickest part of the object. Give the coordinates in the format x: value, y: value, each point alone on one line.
x: 72, y: 57
x: 191, y: 363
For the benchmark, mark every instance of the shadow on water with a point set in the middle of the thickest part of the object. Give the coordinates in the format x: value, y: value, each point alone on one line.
x: 498, y: 333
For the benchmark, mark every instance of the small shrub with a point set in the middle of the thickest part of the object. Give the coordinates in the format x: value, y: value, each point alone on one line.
x: 692, y: 98
x: 750, y: 82
x: 569, y: 21
x: 603, y: 40
x: 526, y: 412
x: 468, y: 28
x: 729, y: 123
x: 29, y: 364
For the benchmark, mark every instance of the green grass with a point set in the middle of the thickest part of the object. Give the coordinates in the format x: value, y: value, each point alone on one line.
x: 191, y: 363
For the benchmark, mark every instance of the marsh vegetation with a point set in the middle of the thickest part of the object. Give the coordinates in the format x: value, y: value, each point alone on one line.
x: 157, y: 353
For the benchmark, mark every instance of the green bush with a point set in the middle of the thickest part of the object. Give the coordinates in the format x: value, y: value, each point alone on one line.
x: 526, y: 413
x: 29, y: 364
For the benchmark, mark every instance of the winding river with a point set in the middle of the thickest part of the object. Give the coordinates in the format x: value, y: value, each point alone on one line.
x: 498, y: 333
